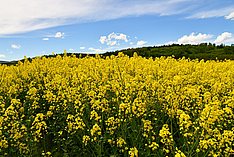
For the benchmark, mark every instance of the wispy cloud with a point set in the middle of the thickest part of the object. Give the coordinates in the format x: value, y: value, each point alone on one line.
x: 58, y: 35
x: 96, y: 50
x: 101, y: 50
x: 45, y: 39
x: 217, y: 12
x: 141, y: 42
x: 15, y: 46
x: 2, y: 56
x: 26, y: 15
x: 92, y: 50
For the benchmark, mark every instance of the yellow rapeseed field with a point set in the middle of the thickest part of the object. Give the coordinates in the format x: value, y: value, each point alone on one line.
x: 117, y: 106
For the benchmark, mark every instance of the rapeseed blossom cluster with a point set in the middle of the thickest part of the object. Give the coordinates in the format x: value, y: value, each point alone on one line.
x: 117, y: 106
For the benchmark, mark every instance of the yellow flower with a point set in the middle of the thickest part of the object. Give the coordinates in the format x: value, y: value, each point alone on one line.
x: 167, y: 139
x: 86, y: 139
x: 179, y: 154
x: 153, y: 146
x: 3, y: 143
x: 120, y: 142
x: 49, y: 113
x: 95, y: 130
x: 133, y: 152
x: 118, y: 95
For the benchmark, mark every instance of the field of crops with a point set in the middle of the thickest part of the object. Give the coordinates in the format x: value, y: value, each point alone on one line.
x: 117, y: 106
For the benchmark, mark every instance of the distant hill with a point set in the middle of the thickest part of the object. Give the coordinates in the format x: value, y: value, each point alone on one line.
x: 3, y: 62
x: 206, y: 51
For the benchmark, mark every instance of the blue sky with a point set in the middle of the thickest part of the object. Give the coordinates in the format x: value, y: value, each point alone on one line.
x: 31, y: 28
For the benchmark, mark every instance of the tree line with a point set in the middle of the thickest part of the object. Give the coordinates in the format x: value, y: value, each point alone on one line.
x: 206, y: 51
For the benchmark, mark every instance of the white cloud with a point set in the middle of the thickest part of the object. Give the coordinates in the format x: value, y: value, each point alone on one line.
x: 113, y: 39
x: 120, y: 36
x: 82, y: 47
x: 2, y: 56
x: 230, y: 16
x: 103, y: 39
x: 45, y: 39
x: 194, y: 38
x: 96, y: 50
x: 27, y: 15
x: 59, y: 35
x: 224, y: 38
x: 167, y: 43
x: 141, y: 43
x: 112, y: 43
x: 15, y: 46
